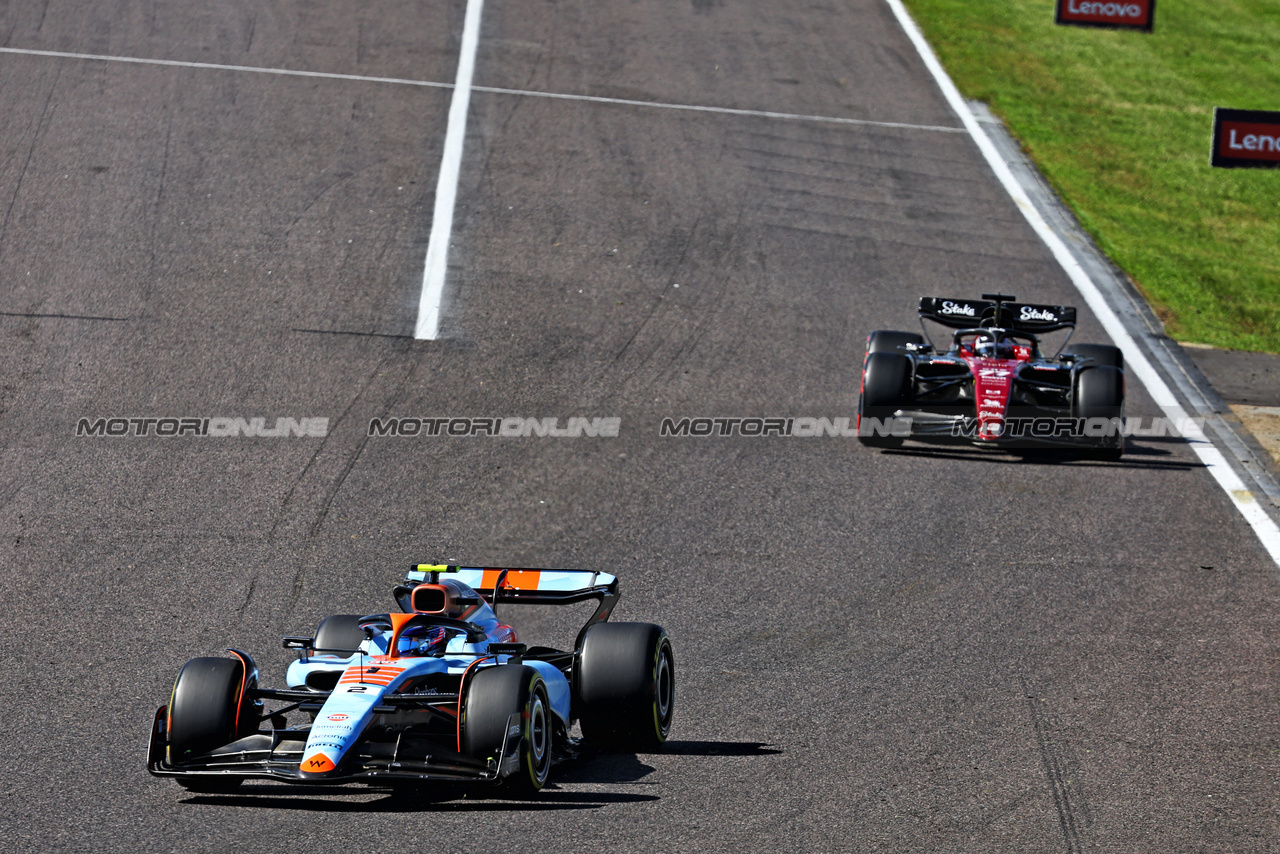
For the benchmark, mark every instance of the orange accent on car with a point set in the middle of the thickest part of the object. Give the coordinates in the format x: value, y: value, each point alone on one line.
x: 518, y: 579
x: 524, y: 580
x: 355, y: 677
x: 318, y: 764
x: 244, y: 678
x: 398, y: 622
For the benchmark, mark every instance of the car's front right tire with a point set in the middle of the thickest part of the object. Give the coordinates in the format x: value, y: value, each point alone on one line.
x: 886, y: 388
x: 340, y: 635
x: 205, y: 707
x: 892, y: 341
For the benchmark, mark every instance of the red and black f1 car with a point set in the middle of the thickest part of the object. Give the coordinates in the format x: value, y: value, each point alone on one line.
x: 442, y: 691
x: 992, y: 386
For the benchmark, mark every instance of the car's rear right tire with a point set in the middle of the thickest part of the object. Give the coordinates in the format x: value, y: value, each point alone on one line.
x: 892, y: 341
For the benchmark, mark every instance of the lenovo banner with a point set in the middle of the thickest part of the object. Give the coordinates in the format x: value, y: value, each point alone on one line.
x: 1128, y: 14
x: 1245, y: 139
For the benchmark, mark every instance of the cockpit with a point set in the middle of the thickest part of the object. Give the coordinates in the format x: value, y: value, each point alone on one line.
x: 994, y: 344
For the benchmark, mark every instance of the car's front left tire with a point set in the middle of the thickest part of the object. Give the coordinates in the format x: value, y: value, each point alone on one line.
x: 1099, y: 394
x: 493, y: 696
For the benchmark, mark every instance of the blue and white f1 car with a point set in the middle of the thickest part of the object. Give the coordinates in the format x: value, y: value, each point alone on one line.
x: 442, y: 691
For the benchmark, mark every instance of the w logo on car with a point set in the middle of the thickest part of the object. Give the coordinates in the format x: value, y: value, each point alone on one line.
x: 318, y: 764
x: 338, y: 717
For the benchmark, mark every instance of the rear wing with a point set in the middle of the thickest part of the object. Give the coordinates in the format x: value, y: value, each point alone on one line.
x: 512, y: 584
x: 999, y: 311
x: 521, y: 585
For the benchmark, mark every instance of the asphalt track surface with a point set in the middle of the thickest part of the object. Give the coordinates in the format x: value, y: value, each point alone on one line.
x: 915, y: 651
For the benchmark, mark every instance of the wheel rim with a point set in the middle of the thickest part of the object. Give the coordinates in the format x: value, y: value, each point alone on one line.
x: 539, y: 738
x: 664, y: 689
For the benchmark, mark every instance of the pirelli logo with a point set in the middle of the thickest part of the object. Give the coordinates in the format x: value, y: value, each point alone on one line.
x: 1116, y: 14
x: 1245, y: 139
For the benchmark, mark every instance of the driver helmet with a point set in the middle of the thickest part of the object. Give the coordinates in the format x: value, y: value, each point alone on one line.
x: 430, y: 642
x: 994, y: 347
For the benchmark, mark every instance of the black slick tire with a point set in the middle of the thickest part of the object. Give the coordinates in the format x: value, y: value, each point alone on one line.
x: 205, y: 707
x: 340, y: 634
x: 886, y: 378
x: 626, y: 687
x: 891, y: 341
x: 1100, y: 354
x: 494, y: 695
x: 1099, y: 393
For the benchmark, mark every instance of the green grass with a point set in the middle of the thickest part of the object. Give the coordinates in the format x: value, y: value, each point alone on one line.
x: 1120, y: 123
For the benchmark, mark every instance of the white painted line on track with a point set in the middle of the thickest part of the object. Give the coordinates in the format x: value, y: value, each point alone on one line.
x: 492, y: 90
x: 728, y: 111
x: 1136, y: 361
x: 213, y: 66
x: 447, y: 186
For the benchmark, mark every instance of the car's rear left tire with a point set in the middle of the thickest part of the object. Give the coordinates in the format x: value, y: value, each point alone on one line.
x: 1100, y: 354
x: 493, y: 695
x: 1099, y: 393
x: 626, y: 687
x: 205, y: 710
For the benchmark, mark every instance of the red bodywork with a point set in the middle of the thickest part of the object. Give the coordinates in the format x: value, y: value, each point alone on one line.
x: 992, y: 381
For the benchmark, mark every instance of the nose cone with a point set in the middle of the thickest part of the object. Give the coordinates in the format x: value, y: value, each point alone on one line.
x: 316, y: 763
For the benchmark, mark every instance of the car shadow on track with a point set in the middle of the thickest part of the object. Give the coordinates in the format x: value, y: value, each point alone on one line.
x: 1137, y: 455
x: 593, y: 767
x: 588, y: 769
x: 719, y: 748
x: 418, y: 799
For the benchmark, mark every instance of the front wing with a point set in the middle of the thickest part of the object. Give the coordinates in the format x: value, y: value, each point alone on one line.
x: 399, y: 757
x: 1041, y: 429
